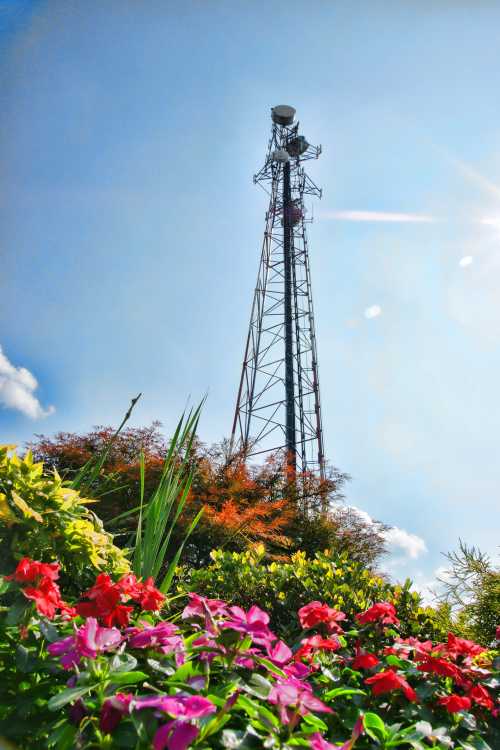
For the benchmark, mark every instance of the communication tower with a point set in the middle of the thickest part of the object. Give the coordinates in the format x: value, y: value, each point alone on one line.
x: 278, y: 405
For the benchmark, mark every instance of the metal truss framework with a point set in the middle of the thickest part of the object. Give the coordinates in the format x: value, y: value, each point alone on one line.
x: 278, y: 404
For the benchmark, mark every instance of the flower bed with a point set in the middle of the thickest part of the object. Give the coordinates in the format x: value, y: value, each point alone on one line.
x: 109, y: 671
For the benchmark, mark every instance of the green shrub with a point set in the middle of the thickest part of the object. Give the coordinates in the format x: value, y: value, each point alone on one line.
x: 281, y: 588
x: 42, y: 518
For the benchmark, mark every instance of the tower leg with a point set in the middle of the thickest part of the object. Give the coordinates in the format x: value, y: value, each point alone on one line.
x: 291, y: 447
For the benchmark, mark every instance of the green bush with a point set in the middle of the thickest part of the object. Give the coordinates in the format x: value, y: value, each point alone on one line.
x: 281, y: 588
x: 42, y: 518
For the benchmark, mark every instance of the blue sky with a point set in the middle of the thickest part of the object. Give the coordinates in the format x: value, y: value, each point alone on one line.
x: 130, y: 231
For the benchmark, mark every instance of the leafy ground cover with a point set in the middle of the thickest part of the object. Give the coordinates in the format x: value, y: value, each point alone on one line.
x: 282, y: 588
x: 116, y: 668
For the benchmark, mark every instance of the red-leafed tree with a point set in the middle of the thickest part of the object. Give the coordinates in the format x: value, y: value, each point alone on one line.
x: 243, y: 503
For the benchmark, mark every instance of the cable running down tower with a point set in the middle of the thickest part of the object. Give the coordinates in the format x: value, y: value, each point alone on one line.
x: 278, y: 404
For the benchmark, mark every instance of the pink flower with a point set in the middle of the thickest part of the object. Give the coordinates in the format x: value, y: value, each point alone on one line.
x: 88, y: 641
x: 112, y: 711
x: 179, y: 706
x: 298, y: 670
x: 315, y: 613
x: 253, y: 623
x: 176, y: 735
x: 199, y: 605
x: 279, y: 654
x: 162, y: 637
x: 383, y: 612
x: 299, y: 695
x: 91, y: 639
x: 319, y: 743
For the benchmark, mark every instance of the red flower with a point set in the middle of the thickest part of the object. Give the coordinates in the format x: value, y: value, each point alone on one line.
x: 480, y: 695
x: 441, y: 667
x: 104, y: 603
x: 309, y: 646
x: 454, y: 703
x: 106, y: 599
x: 129, y: 586
x: 29, y: 570
x: 456, y: 646
x: 46, y: 596
x: 421, y: 648
x: 365, y: 661
x: 383, y: 612
x: 149, y: 596
x: 389, y: 680
x: 315, y: 613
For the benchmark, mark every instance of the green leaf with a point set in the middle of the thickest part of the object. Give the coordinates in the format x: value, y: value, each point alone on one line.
x: 395, y: 661
x: 374, y: 726
x: 258, y: 686
x: 4, y: 585
x: 63, y: 738
x: 49, y: 631
x: 68, y: 696
x: 127, y: 678
x: 336, y: 692
x: 315, y: 722
x: 269, y: 665
x: 474, y: 743
x: 17, y: 611
x: 25, y: 661
x: 123, y: 663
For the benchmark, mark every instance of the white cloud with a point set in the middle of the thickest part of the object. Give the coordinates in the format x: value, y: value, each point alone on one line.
x: 411, y: 544
x: 378, y: 216
x: 467, y: 260
x: 17, y: 387
x: 373, y: 312
x: 397, y: 539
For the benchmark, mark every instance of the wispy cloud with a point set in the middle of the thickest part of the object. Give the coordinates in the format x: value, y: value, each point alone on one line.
x: 472, y: 174
x: 378, y: 216
x: 17, y: 387
x: 397, y: 539
x: 373, y: 312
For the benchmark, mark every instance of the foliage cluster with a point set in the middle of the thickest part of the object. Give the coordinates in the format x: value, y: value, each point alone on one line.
x: 42, y: 517
x: 472, y: 591
x: 219, y: 677
x: 242, y: 504
x: 282, y: 587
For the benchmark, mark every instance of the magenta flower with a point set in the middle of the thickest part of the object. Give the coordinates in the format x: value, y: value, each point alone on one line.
x: 88, y: 641
x: 112, y: 711
x: 319, y: 743
x: 199, y: 606
x: 161, y: 637
x: 175, y: 735
x: 279, y: 654
x: 91, y: 639
x: 299, y: 695
x: 179, y: 706
x: 65, y: 648
x: 253, y: 623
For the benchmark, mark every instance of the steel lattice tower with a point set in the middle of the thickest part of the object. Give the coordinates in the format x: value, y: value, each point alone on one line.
x: 278, y: 404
